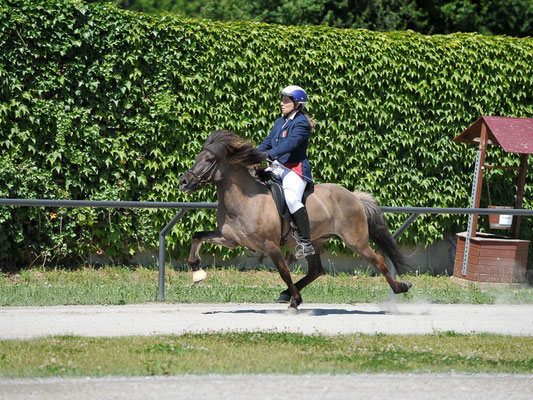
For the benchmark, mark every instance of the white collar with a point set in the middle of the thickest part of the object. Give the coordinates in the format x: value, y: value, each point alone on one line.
x: 293, y: 115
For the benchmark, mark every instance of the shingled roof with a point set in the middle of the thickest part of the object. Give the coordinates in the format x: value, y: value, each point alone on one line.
x: 515, y: 135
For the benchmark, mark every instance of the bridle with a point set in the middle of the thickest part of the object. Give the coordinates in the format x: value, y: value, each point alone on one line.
x: 211, y: 171
x: 202, y: 179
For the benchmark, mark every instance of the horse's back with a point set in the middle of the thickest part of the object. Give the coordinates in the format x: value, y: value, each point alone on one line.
x: 330, y: 204
x: 329, y: 193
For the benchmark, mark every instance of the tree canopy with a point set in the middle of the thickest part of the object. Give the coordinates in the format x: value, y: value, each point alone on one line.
x: 489, y: 17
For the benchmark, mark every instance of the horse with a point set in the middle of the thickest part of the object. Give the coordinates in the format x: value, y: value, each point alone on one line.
x: 248, y: 216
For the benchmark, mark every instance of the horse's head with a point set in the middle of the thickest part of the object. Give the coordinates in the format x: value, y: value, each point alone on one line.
x: 202, y: 173
x: 222, y: 153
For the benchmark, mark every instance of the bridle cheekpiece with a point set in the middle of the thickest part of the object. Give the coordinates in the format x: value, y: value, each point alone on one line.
x: 202, y: 179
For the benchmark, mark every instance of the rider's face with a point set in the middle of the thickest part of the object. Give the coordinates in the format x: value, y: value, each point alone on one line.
x: 287, y: 105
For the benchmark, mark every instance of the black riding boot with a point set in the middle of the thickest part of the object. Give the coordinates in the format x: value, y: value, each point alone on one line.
x: 302, y: 234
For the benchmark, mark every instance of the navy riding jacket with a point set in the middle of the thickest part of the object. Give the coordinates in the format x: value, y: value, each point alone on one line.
x: 287, y: 143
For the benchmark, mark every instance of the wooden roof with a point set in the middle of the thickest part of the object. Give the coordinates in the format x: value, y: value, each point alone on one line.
x: 515, y: 135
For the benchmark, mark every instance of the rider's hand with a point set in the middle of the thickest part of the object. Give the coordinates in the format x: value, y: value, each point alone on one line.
x: 263, y: 155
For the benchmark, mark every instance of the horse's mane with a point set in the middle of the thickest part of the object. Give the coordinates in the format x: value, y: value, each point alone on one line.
x: 237, y: 151
x: 262, y: 175
x: 228, y: 145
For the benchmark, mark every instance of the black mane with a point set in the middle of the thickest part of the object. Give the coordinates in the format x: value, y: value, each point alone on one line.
x: 228, y: 145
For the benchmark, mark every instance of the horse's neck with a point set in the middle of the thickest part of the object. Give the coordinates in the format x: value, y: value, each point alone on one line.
x: 237, y: 189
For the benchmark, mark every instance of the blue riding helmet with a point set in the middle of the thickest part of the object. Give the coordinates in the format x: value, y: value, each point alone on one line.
x: 296, y: 93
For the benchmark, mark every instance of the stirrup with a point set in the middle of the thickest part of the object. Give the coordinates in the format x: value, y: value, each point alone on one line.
x: 303, y: 250
x: 295, y: 233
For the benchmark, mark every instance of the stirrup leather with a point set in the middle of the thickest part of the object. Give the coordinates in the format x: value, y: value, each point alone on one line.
x: 295, y: 233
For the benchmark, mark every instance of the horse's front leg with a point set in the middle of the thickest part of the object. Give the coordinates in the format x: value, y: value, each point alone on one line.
x: 277, y: 257
x: 213, y: 237
x: 314, y: 270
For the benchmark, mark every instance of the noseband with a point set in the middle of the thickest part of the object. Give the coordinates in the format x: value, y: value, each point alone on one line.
x: 204, y: 180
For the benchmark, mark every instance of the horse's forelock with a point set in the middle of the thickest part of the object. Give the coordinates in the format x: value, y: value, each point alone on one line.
x: 216, y: 143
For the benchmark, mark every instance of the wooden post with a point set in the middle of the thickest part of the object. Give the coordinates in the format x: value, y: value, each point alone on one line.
x: 479, y: 172
x: 520, y: 193
x: 476, y: 194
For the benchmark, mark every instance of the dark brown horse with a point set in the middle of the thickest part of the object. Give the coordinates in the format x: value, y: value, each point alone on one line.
x: 247, y: 216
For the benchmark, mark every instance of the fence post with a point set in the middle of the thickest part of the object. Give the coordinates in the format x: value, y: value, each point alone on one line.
x: 162, y: 248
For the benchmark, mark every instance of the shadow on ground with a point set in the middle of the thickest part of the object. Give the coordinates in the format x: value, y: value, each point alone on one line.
x: 317, y: 312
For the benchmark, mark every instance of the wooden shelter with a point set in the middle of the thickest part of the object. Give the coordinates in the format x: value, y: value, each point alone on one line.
x: 495, y: 258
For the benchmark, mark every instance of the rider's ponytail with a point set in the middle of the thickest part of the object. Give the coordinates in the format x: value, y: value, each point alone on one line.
x: 309, y: 118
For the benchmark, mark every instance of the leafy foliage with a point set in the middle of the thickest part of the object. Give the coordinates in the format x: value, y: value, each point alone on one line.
x: 509, y: 17
x: 102, y: 103
x: 184, y: 7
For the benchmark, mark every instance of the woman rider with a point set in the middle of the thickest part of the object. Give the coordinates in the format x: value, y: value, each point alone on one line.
x: 286, y: 146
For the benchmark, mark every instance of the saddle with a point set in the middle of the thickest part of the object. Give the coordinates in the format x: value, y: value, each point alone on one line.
x: 275, y: 186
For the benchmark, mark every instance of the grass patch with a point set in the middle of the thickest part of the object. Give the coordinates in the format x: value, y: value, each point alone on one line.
x: 254, y: 353
x: 121, y: 285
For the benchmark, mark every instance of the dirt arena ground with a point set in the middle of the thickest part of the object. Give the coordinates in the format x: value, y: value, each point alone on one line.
x: 329, y: 319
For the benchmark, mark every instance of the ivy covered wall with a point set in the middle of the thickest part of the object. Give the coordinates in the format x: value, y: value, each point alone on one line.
x: 101, y: 103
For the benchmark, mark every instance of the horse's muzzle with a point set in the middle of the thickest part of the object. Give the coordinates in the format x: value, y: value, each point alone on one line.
x: 187, y: 184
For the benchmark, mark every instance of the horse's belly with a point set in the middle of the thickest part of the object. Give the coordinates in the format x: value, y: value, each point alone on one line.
x: 253, y: 232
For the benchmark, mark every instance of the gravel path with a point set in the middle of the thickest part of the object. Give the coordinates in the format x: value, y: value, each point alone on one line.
x: 282, y: 387
x: 329, y: 319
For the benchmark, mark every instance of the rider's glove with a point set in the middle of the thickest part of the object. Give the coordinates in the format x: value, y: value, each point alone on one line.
x: 263, y: 155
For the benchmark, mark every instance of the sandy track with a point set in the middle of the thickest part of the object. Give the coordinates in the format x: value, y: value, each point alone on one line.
x: 330, y: 319
x: 282, y: 387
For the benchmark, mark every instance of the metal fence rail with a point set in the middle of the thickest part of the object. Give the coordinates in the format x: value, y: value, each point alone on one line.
x: 104, y: 204
x: 184, y: 207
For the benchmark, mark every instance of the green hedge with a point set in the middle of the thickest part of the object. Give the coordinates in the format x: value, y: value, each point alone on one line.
x: 101, y: 103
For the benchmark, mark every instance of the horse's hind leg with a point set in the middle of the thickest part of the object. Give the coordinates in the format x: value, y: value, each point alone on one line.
x: 314, y: 270
x: 379, y: 263
x: 214, y: 237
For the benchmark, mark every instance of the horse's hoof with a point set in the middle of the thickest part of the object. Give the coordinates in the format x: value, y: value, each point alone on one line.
x: 292, y: 310
x: 198, y: 276
x: 405, y: 286
x: 283, y: 298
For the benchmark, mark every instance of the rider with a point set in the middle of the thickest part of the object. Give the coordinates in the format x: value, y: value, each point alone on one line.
x: 286, y: 146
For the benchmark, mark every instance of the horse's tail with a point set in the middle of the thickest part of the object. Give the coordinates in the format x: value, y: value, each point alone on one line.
x: 380, y: 234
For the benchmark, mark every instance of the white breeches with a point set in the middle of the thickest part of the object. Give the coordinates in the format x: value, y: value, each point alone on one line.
x: 293, y: 186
